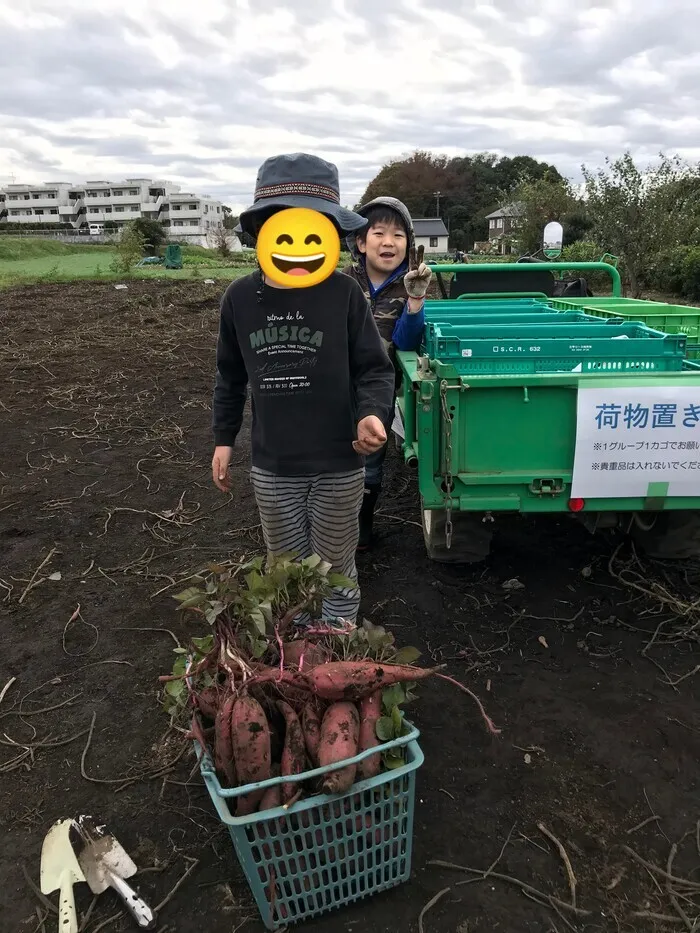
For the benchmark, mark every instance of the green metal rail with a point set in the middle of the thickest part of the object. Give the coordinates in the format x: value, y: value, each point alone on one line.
x: 536, y: 267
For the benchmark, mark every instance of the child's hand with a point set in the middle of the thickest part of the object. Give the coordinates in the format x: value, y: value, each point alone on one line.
x: 371, y: 435
x: 417, y: 279
x: 220, y: 468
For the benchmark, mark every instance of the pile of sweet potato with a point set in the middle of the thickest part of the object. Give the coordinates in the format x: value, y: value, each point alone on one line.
x: 306, y: 712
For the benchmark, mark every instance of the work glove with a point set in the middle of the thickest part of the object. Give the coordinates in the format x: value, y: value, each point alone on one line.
x: 417, y: 279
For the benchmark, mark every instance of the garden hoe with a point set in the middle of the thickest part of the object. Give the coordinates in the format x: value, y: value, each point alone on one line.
x: 105, y: 865
x: 59, y: 872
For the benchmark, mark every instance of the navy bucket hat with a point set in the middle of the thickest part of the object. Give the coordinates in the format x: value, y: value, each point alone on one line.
x: 298, y: 180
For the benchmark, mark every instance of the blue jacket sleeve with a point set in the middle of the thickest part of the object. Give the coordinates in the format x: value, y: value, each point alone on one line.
x: 408, y: 331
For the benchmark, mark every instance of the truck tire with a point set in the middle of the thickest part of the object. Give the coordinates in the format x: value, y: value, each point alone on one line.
x: 671, y: 536
x: 471, y: 538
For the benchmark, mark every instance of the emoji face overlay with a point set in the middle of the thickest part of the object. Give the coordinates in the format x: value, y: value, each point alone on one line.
x: 298, y: 247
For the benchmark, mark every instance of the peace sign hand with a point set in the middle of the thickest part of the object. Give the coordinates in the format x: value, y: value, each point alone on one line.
x: 417, y: 279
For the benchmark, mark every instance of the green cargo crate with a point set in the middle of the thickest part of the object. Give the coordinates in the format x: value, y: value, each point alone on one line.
x: 519, y: 317
x: 456, y: 309
x: 564, y: 347
x: 671, y: 319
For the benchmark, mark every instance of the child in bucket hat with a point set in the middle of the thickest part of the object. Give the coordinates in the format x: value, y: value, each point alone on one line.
x: 321, y: 383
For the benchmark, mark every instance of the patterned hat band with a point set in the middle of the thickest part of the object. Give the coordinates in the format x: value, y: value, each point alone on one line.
x: 297, y: 188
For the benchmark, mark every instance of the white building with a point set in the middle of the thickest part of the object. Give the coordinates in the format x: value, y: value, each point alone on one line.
x: 102, y: 201
x: 431, y: 233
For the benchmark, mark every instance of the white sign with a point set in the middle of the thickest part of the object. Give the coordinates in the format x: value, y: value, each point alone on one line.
x: 637, y: 441
x: 553, y: 238
x: 397, y: 424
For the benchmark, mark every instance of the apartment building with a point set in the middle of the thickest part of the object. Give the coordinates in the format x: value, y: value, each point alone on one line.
x: 102, y: 201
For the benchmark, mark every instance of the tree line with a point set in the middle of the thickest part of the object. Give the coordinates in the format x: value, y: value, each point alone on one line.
x: 647, y: 216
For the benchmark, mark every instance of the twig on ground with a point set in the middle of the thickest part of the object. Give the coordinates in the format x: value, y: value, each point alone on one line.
x: 545, y: 899
x: 88, y: 913
x: 490, y: 725
x: 649, y: 819
x: 107, y: 922
x: 166, y: 900
x: 81, y: 654
x: 684, y: 882
x: 61, y: 677
x: 38, y: 712
x: 653, y: 813
x: 42, y: 897
x: 691, y: 927
x: 650, y: 915
x: 565, y: 859
x: 33, y: 579
x: 491, y: 867
x: 41, y: 917
x: 6, y: 688
x: 397, y: 518
x: 127, y: 780
x: 431, y: 903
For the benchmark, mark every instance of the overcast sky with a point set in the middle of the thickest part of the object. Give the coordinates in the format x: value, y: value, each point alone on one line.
x: 201, y: 92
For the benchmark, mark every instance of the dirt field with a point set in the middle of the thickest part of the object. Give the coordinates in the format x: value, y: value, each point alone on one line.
x: 105, y: 410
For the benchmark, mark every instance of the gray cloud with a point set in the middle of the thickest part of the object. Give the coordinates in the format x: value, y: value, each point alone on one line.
x: 497, y: 68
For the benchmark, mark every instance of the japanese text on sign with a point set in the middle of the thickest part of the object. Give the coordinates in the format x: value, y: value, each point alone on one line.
x: 660, y: 415
x: 632, y: 440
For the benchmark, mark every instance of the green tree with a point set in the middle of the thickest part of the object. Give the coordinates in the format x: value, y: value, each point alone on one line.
x: 152, y: 233
x: 638, y: 212
x: 469, y: 186
x: 413, y: 180
x: 130, y: 248
x: 541, y: 201
x: 230, y: 219
x: 512, y: 172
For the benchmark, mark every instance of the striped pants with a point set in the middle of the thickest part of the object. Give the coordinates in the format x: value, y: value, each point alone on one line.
x: 315, y: 514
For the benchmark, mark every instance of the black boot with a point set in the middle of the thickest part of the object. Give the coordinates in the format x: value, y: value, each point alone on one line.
x: 369, y: 502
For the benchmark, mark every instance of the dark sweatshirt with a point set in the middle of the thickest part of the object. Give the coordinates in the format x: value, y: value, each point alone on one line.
x: 316, y: 366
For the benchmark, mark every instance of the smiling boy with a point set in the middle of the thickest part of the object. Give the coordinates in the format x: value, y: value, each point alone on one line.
x: 382, y: 252
x: 321, y: 382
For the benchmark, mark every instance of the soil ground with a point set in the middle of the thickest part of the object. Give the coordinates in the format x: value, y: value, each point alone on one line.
x: 104, y: 413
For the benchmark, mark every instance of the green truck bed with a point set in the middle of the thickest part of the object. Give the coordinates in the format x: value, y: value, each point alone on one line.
x: 547, y: 413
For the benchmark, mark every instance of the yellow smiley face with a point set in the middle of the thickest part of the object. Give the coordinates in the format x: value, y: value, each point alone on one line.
x: 298, y: 247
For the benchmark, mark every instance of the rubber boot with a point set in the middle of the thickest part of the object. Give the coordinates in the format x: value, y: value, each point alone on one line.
x: 369, y: 503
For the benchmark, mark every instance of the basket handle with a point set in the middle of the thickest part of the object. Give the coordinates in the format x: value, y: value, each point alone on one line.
x: 207, y: 766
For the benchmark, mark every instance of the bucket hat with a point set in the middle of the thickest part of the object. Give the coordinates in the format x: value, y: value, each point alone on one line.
x: 298, y: 180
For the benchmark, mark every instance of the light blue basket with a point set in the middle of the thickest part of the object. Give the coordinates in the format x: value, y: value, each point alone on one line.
x: 324, y: 851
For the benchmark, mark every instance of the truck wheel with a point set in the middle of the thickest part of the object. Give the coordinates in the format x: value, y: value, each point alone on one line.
x: 471, y: 538
x: 671, y: 536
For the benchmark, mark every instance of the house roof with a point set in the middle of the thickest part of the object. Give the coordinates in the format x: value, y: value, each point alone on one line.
x: 508, y: 210
x: 429, y: 226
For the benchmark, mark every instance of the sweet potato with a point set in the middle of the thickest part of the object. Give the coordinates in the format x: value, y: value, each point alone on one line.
x: 311, y: 727
x: 340, y: 731
x: 250, y: 737
x: 354, y: 680
x: 208, y: 702
x: 273, y: 795
x: 223, y: 748
x: 294, y: 754
x: 370, y: 711
x: 303, y: 652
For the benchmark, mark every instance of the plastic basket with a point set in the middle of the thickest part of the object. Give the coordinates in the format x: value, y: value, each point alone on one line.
x: 324, y: 851
x: 551, y: 347
x: 671, y: 319
x: 537, y: 316
x: 456, y: 309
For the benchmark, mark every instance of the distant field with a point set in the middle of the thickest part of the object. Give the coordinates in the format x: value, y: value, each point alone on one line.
x: 25, y: 260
